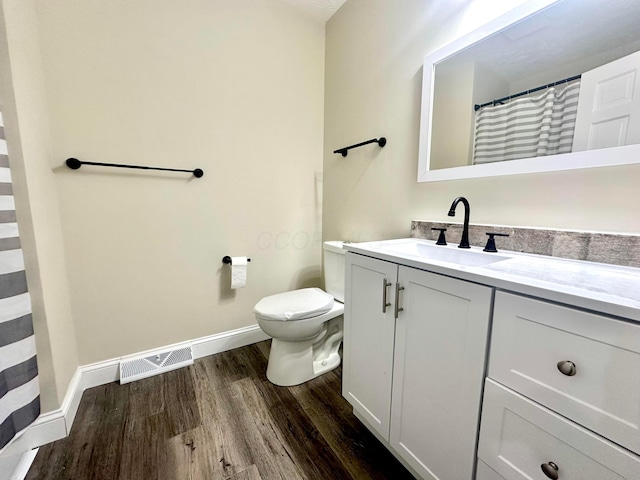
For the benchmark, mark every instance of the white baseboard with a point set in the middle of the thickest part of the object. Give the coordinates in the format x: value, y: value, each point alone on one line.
x: 24, y: 465
x: 54, y: 425
x: 48, y: 427
x: 205, y: 346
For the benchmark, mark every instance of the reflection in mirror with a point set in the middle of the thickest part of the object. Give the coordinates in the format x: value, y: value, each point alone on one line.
x: 547, y: 84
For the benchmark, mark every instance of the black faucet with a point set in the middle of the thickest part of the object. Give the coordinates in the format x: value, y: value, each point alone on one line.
x: 464, y: 241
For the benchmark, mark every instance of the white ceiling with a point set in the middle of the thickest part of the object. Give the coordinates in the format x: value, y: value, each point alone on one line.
x: 573, y: 35
x: 322, y: 10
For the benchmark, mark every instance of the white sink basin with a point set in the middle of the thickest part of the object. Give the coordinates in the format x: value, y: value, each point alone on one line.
x: 440, y: 253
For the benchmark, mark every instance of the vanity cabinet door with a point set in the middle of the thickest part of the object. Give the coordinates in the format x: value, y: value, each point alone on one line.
x: 439, y: 364
x: 368, y: 339
x: 521, y: 440
x: 582, y: 365
x: 484, y: 472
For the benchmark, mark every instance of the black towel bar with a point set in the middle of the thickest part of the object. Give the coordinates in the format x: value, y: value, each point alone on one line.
x: 343, y: 151
x: 74, y: 164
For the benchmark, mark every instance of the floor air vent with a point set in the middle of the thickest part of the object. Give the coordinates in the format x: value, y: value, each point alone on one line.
x: 135, y: 368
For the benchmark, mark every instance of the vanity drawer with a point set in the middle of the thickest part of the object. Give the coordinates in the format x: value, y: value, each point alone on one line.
x: 529, y: 340
x: 518, y: 437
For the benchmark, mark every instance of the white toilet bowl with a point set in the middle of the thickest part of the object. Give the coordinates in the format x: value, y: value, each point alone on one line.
x: 306, y: 324
x: 307, y: 329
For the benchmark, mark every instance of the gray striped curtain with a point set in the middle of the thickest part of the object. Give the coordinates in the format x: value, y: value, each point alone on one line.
x: 19, y: 389
x: 527, y: 127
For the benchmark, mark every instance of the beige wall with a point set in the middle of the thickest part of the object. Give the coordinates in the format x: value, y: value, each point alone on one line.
x: 374, y: 55
x: 234, y: 88
x: 37, y: 208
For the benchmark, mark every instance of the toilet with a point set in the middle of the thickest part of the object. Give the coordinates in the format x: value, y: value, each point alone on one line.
x: 306, y: 325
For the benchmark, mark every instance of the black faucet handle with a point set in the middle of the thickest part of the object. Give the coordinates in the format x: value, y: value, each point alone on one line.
x: 491, y: 243
x: 441, y: 239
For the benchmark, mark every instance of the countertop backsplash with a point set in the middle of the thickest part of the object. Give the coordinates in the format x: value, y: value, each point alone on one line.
x: 615, y: 249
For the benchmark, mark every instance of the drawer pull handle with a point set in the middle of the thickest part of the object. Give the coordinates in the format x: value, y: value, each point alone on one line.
x: 567, y: 368
x: 550, y: 470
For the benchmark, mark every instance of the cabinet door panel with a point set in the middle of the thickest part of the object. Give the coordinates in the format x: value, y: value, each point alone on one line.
x: 484, y: 472
x: 439, y: 362
x: 368, y: 335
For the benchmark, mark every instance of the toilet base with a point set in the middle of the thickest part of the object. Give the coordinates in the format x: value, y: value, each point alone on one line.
x: 293, y: 363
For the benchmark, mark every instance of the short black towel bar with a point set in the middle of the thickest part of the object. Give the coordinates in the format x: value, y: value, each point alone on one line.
x: 343, y: 151
x: 227, y: 259
x: 75, y: 164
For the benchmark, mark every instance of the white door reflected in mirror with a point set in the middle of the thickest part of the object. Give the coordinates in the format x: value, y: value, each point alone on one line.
x: 609, y: 106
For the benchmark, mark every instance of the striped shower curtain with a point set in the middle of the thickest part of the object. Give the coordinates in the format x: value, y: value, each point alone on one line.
x: 527, y: 127
x: 19, y: 389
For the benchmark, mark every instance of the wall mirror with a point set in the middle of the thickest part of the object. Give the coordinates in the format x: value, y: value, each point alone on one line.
x: 583, y: 55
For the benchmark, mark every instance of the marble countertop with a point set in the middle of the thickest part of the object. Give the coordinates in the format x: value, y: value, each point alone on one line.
x: 609, y: 289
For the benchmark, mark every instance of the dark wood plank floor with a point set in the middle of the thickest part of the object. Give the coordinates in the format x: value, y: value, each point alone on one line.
x: 219, y: 419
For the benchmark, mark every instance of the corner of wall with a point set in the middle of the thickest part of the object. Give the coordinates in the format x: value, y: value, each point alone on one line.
x: 26, y: 120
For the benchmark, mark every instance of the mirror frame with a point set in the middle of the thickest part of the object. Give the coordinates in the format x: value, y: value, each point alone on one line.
x: 629, y: 154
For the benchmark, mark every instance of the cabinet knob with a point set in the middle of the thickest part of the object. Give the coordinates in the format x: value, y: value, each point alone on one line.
x: 567, y: 368
x: 550, y: 470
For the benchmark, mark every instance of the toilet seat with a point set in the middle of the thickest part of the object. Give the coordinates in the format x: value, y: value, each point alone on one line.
x: 295, y: 305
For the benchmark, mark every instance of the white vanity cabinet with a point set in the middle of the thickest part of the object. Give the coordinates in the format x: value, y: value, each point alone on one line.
x: 563, y: 394
x: 414, y: 361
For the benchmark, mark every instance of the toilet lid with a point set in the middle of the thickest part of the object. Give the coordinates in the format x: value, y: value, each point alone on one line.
x: 294, y: 305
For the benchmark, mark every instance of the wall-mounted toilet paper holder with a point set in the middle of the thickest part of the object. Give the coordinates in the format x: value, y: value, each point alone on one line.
x: 227, y: 259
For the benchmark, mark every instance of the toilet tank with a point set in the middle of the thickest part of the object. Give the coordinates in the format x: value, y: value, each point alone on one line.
x: 334, y: 269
